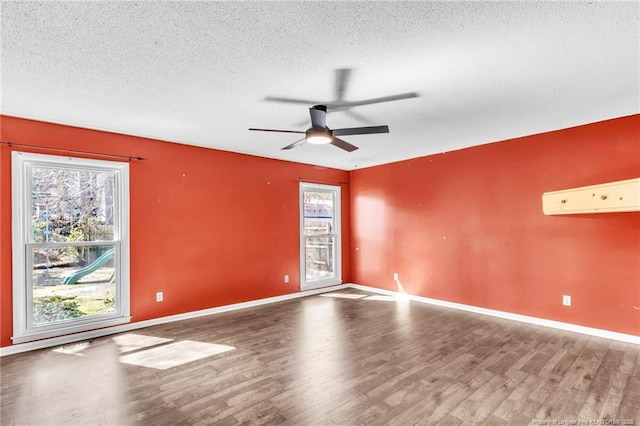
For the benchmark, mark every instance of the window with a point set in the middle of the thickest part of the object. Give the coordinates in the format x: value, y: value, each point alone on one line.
x: 70, y: 245
x: 320, y: 259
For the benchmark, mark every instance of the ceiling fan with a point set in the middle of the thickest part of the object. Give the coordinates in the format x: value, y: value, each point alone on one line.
x: 320, y: 134
x: 342, y: 77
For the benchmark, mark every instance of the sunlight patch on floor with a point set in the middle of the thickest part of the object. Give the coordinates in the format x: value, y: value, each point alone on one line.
x: 344, y: 295
x: 132, y: 342
x: 174, y: 354
x: 383, y: 298
x: 74, y: 348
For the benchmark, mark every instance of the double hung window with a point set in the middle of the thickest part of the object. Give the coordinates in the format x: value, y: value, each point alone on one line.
x: 319, y: 235
x: 70, y: 245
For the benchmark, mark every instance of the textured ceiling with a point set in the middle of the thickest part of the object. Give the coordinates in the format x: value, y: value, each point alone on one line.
x: 199, y: 72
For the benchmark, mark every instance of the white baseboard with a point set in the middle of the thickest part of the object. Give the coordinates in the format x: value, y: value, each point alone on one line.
x: 63, y: 340
x: 627, y: 338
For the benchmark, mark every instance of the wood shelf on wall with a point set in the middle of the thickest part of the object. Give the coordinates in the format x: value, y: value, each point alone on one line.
x: 618, y: 196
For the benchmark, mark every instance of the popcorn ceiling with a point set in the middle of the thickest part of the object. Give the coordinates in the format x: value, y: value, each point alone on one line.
x: 198, y: 72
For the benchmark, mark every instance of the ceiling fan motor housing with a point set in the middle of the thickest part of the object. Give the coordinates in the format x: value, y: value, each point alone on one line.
x: 319, y: 136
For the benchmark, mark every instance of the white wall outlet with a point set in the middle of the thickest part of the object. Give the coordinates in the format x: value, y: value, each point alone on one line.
x: 395, y: 276
x: 286, y: 278
x: 566, y: 300
x: 159, y: 296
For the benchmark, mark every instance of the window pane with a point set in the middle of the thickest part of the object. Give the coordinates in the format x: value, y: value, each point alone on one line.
x: 319, y: 258
x: 72, y: 282
x: 72, y: 204
x: 318, y: 226
x: 318, y: 212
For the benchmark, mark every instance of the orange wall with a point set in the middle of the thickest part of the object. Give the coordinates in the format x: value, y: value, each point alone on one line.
x: 208, y: 228
x: 464, y: 226
x: 467, y: 227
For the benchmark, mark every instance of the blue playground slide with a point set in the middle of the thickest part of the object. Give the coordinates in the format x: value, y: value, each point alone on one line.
x: 74, y: 277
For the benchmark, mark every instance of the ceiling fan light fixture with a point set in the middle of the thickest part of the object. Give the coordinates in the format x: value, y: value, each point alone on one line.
x: 319, y: 137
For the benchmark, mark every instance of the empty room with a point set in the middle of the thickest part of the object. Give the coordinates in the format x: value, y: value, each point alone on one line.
x: 319, y: 213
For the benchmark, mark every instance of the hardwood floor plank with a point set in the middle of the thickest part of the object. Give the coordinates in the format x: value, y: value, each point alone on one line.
x: 550, y: 366
x: 525, y: 413
x: 616, y: 394
x: 593, y: 405
x: 606, y: 372
x: 449, y: 420
x: 458, y: 393
x: 420, y: 406
x: 553, y: 405
x: 402, y: 383
x: 573, y: 404
x: 535, y: 362
x: 264, y: 413
x: 581, y: 372
x: 328, y: 361
x: 480, y: 404
x: 510, y: 406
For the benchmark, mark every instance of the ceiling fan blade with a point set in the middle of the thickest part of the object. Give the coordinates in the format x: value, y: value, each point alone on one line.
x: 382, y: 99
x: 342, y: 80
x: 343, y: 144
x: 274, y: 130
x: 318, y: 116
x: 360, y: 130
x: 290, y: 100
x: 296, y: 143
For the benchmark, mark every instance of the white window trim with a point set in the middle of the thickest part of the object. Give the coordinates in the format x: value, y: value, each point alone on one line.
x: 22, y: 332
x: 337, y: 211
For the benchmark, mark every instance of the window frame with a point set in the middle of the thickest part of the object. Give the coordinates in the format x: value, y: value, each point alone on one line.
x: 23, y: 328
x: 337, y: 234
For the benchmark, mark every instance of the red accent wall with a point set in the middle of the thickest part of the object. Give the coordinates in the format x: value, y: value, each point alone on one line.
x: 467, y: 227
x: 208, y: 228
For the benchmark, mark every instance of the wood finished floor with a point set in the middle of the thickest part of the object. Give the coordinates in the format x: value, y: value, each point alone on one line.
x: 331, y: 361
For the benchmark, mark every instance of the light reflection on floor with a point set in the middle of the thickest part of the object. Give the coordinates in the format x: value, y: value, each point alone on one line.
x: 151, y: 351
x: 159, y: 353
x: 74, y: 348
x: 174, y: 354
x: 320, y: 331
x: 322, y: 350
x: 344, y: 295
x: 400, y: 297
x: 132, y: 342
x: 382, y: 298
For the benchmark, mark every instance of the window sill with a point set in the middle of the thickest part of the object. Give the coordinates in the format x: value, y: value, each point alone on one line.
x: 38, y: 335
x: 320, y: 284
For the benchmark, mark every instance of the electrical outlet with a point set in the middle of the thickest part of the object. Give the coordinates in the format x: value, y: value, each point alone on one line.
x: 286, y: 278
x: 159, y: 296
x: 395, y: 276
x: 566, y: 300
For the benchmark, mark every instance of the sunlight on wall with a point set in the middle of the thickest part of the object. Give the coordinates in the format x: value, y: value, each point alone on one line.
x: 372, y: 217
x: 372, y: 221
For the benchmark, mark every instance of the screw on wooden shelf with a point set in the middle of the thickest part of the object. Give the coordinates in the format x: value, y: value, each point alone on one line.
x: 563, y: 201
x: 603, y: 197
